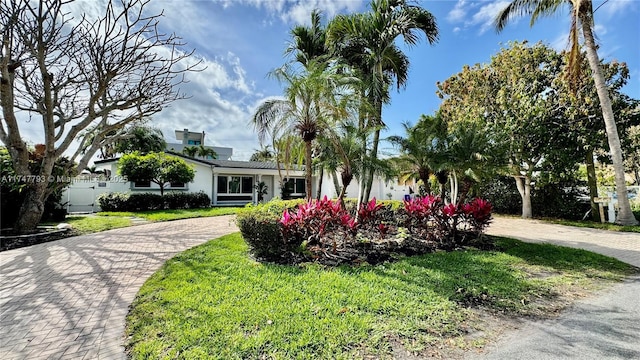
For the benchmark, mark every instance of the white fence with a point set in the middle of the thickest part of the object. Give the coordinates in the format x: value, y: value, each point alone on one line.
x: 81, y: 195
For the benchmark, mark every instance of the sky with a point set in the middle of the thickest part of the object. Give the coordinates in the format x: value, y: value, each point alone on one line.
x: 240, y: 41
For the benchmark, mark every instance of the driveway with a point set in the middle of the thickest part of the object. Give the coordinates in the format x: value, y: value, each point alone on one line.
x: 600, y: 327
x: 68, y: 299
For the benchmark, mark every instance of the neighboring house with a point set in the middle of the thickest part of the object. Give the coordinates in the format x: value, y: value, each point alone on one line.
x: 189, y: 138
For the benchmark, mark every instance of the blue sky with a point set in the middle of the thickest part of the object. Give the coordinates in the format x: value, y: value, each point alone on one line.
x: 240, y: 41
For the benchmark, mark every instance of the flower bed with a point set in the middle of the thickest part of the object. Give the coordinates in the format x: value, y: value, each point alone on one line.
x: 327, y: 232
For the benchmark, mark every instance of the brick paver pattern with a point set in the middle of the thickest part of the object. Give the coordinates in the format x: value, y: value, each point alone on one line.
x: 68, y: 299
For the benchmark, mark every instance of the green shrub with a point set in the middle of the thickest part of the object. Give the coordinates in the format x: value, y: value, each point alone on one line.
x: 144, y: 202
x: 199, y: 200
x: 260, y: 227
x: 503, y: 195
x: 150, y: 201
x: 183, y: 200
x: 113, y: 201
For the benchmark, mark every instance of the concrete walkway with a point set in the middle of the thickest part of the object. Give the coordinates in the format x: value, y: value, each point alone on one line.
x: 68, y: 299
x: 601, y: 327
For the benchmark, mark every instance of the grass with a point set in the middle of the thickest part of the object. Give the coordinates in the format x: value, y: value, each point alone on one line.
x: 166, y: 215
x: 595, y: 225
x: 92, y: 224
x: 213, y: 301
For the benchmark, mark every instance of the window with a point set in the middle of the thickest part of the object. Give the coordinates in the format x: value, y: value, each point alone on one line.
x: 222, y: 184
x: 235, y: 184
x: 247, y: 185
x: 142, y: 184
x: 177, y: 185
x: 301, y: 187
x: 295, y: 186
x: 194, y: 142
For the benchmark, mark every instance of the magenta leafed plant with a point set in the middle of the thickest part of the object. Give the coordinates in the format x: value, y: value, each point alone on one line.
x: 478, y: 214
x: 326, y: 230
x: 421, y: 208
x: 367, y: 212
x: 314, y: 219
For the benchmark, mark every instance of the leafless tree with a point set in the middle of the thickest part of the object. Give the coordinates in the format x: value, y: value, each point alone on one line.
x: 76, y: 74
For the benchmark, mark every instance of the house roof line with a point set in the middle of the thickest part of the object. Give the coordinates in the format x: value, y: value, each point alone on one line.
x: 224, y: 163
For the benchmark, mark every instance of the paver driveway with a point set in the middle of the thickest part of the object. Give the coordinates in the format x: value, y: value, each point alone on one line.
x: 69, y: 298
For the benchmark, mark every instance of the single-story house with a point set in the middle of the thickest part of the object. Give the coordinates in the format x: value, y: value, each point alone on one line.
x: 226, y: 182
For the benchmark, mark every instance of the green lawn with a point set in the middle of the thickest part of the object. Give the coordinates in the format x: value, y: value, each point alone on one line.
x: 213, y: 301
x: 92, y: 224
x: 166, y: 215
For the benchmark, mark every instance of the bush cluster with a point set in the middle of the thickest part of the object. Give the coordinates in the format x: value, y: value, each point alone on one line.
x: 328, y: 232
x: 260, y: 228
x: 562, y: 200
x: 148, y: 201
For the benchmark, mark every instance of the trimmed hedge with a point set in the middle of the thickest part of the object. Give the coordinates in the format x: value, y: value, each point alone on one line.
x: 260, y: 228
x: 148, y: 201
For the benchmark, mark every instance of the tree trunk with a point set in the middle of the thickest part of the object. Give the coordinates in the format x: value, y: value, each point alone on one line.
x: 592, y: 183
x: 336, y: 183
x: 32, y: 208
x: 524, y: 188
x: 308, y: 170
x: 346, y: 180
x: 625, y: 215
x: 424, y: 176
x: 320, y: 179
x: 374, y: 152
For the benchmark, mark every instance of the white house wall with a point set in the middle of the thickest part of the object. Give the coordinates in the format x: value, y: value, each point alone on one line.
x: 380, y: 188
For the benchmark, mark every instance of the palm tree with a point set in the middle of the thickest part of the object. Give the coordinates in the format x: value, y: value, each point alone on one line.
x: 422, y: 149
x: 205, y: 152
x: 310, y: 103
x: 346, y: 147
x: 472, y: 156
x: 190, y: 151
x: 308, y: 42
x: 581, y: 22
x: 366, y: 42
x: 265, y: 154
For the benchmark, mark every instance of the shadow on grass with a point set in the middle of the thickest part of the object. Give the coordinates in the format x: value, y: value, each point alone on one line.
x: 559, y: 257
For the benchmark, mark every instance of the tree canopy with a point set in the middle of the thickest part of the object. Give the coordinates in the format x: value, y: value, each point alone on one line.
x: 71, y: 74
x: 158, y: 168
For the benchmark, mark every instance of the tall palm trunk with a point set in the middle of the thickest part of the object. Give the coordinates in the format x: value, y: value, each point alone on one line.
x: 336, y: 182
x: 625, y: 215
x: 320, y: 180
x: 374, y: 152
x: 308, y: 170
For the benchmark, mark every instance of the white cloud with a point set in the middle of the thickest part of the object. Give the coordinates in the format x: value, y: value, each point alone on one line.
x: 298, y: 11
x: 458, y: 13
x: 473, y: 15
x: 613, y: 7
x: 487, y: 15
x: 561, y: 42
x: 599, y: 30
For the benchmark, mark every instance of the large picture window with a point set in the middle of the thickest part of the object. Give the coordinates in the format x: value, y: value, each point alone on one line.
x: 235, y: 184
